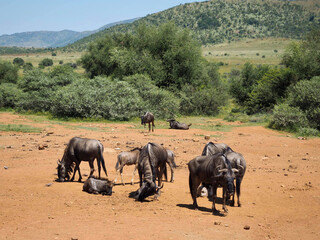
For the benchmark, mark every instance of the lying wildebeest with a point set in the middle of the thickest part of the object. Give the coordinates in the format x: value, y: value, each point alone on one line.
x: 147, y: 118
x: 96, y: 186
x: 172, y: 165
x: 213, y: 170
x: 151, y: 164
x: 236, y: 159
x: 77, y: 150
x: 177, y: 125
x: 127, y: 158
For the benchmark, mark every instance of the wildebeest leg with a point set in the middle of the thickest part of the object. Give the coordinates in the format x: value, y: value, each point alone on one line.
x: 134, y: 171
x: 140, y: 176
x: 214, y: 196
x: 238, y: 184
x: 152, y: 125
x: 160, y: 173
x: 172, y: 172
x: 99, y: 166
x: 224, y: 195
x: 91, y: 168
x: 232, y: 200
x: 194, y: 183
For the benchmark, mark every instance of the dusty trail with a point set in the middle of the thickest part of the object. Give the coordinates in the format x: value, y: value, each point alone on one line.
x: 280, y: 191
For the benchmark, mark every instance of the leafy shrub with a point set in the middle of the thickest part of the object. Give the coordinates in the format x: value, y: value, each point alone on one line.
x: 27, y: 66
x: 97, y: 98
x: 306, y: 96
x: 8, y: 72
x: 269, y: 90
x: 307, y: 131
x: 18, y: 61
x: 46, y: 62
x: 162, y: 103
x: 9, y: 95
x: 285, y: 117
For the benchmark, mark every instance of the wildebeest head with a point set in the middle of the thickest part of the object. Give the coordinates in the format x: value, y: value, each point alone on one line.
x: 63, y: 171
x: 228, y: 174
x: 107, y: 188
x: 142, y: 119
x: 147, y: 189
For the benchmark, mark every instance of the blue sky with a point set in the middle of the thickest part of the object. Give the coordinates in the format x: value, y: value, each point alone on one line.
x: 78, y: 15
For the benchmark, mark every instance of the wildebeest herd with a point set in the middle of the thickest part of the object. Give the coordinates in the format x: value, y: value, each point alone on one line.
x: 217, y: 166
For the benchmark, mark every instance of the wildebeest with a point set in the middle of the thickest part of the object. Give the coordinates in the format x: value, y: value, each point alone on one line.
x: 148, y: 118
x: 151, y: 164
x: 77, y: 150
x: 177, y: 125
x: 172, y: 165
x: 212, y: 148
x: 214, y: 170
x: 96, y: 186
x: 236, y: 159
x: 127, y: 158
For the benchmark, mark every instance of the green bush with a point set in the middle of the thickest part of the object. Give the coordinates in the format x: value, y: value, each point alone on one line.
x: 162, y: 103
x: 18, y: 61
x: 97, y: 98
x: 46, y: 62
x: 269, y: 90
x: 8, y: 72
x: 9, y: 95
x: 288, y: 118
x: 306, y: 96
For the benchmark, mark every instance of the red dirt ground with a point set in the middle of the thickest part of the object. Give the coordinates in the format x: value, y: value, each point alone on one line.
x: 280, y: 191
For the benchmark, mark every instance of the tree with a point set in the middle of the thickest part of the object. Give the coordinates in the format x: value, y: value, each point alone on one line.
x: 8, y: 72
x: 46, y: 62
x: 18, y: 61
x: 168, y: 54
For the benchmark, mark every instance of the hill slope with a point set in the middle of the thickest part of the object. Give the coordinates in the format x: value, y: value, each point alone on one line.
x: 219, y: 20
x: 45, y: 39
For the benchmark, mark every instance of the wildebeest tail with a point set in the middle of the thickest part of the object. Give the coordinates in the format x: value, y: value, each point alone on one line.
x: 101, y: 158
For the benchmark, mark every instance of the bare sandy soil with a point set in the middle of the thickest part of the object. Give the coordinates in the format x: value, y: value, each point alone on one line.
x: 280, y: 191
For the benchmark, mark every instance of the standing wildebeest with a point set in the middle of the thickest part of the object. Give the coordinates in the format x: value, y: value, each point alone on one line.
x: 77, y: 150
x: 147, y: 118
x: 212, y: 148
x: 96, y: 186
x: 127, y: 158
x: 214, y: 170
x: 236, y: 159
x: 171, y: 163
x: 177, y: 125
x: 151, y: 164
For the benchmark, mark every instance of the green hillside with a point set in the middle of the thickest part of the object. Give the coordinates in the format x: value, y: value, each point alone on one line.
x: 218, y: 21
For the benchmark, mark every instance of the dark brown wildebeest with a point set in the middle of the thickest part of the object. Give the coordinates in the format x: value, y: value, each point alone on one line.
x: 214, y: 170
x: 148, y: 118
x: 151, y: 165
x: 172, y: 165
x: 177, y: 125
x: 96, y: 186
x: 127, y: 158
x: 236, y: 159
x: 77, y: 150
x: 212, y: 148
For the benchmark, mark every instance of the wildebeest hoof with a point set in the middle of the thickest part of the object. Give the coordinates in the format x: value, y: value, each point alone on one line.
x: 232, y: 203
x: 225, y: 210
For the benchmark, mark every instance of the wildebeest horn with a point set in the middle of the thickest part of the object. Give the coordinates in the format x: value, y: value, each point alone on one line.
x: 235, y: 170
x: 58, y: 161
x: 158, y: 188
x: 240, y: 166
x: 223, y: 170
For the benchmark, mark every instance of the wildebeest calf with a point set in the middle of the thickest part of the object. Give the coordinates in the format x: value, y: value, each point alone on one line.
x: 96, y: 186
x: 148, y: 118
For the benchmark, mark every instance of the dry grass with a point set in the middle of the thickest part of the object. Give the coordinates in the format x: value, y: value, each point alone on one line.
x: 256, y: 51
